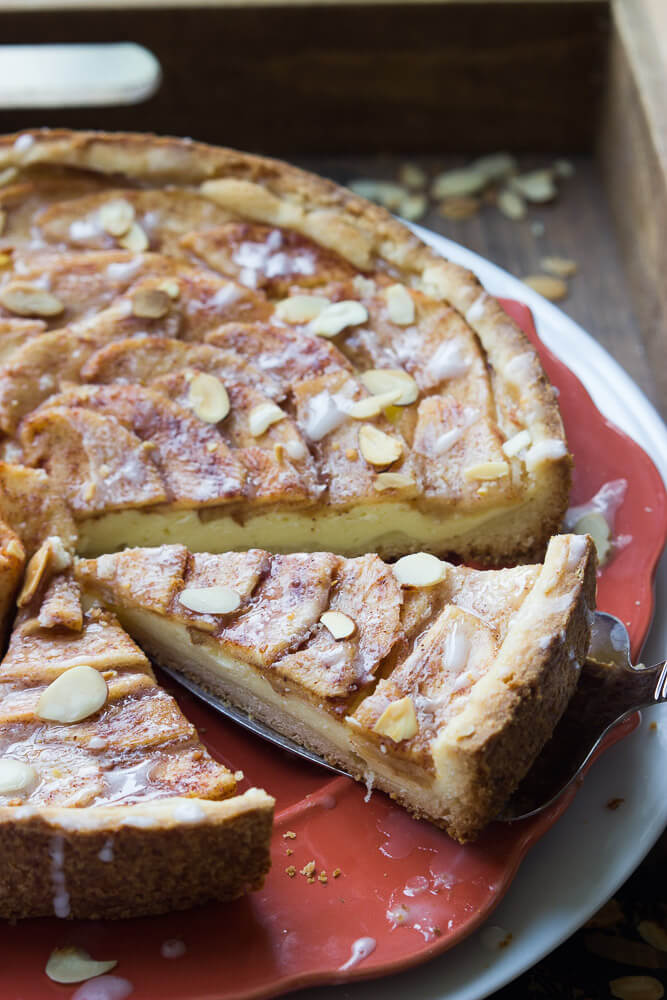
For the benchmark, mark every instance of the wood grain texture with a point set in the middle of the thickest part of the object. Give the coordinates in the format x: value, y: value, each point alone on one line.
x: 633, y: 158
x: 427, y: 77
x: 577, y: 225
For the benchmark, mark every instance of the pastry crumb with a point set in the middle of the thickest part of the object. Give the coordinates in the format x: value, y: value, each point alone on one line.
x: 308, y: 869
x: 336, y: 873
x: 614, y: 804
x: 291, y: 871
x: 289, y: 835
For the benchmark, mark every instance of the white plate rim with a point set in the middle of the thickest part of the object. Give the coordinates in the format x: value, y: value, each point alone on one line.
x: 546, y: 903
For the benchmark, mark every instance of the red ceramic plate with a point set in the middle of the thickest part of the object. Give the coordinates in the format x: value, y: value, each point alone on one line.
x: 402, y: 883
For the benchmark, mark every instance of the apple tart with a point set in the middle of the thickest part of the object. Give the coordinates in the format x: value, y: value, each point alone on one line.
x: 220, y: 350
x: 437, y: 683
x: 110, y: 806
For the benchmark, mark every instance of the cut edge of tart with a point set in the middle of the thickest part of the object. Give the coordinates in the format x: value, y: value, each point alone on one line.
x: 437, y: 684
x: 110, y: 805
x: 382, y: 483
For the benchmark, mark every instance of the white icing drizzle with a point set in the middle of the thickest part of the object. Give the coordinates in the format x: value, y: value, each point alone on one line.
x: 457, y: 649
x: 448, y: 361
x: 606, y: 501
x: 104, y: 988
x: 369, y: 779
x: 61, y: 906
x: 476, y: 310
x: 23, y: 142
x: 542, y: 451
x: 188, y: 811
x: 361, y: 949
x: 444, y: 442
x: 323, y: 416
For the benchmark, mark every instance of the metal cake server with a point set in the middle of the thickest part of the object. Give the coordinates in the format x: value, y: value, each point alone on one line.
x: 610, y: 689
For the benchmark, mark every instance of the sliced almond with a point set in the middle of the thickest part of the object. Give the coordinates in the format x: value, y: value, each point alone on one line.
x: 210, y: 600
x: 637, y: 988
x: 392, y: 481
x: 486, y: 470
x: 551, y: 288
x: 398, y: 721
x: 336, y: 317
x: 208, y: 398
x: 595, y: 524
x: 562, y: 267
x: 151, y: 303
x: 8, y: 175
x: 383, y: 380
x: 511, y: 204
x: 340, y: 625
x: 16, y: 776
x: 458, y: 207
x: 372, y: 406
x: 456, y: 183
x: 517, y: 443
x: 172, y: 288
x: 134, y: 239
x: 412, y: 176
x: 30, y: 300
x: 495, y: 166
x: 653, y: 933
x: 378, y: 448
x: 263, y: 416
x: 51, y: 557
x: 536, y: 186
x: 400, y: 305
x: 74, y: 965
x: 385, y: 193
x: 116, y: 216
x: 78, y: 693
x: 301, y: 308
x: 413, y: 207
x: 419, y: 569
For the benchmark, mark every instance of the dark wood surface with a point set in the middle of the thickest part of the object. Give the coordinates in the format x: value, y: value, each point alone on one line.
x: 577, y: 225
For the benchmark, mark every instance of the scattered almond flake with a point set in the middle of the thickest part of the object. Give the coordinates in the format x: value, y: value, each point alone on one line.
x: 16, y: 776
x: 340, y: 625
x: 289, y: 835
x: 458, y: 183
x: 412, y: 176
x: 372, y: 406
x: 8, y: 175
x: 74, y: 965
x: 291, y: 871
x: 413, y: 207
x: 385, y: 193
x: 551, y: 288
x: 263, y: 416
x: 308, y: 869
x: 134, y: 239
x: 562, y: 267
x: 333, y: 319
x: 76, y: 694
x: 150, y: 303
x: 511, y: 204
x: 89, y: 491
x: 322, y: 877
x: 536, y: 186
x: 392, y: 481
x: 517, y: 443
x: 378, y: 449
x: 614, y: 804
x: 311, y: 879
x: 609, y: 915
x: 211, y: 445
x: 459, y: 207
x: 214, y: 600
x: 116, y: 216
x: 301, y: 308
x: 564, y: 168
x: 486, y: 470
x: 336, y: 873
x: 24, y: 299
x: 398, y: 721
x: 419, y: 569
x: 653, y: 933
x: 208, y: 398
x: 637, y: 988
x: 385, y: 380
x: 400, y: 305
x: 238, y: 775
x: 495, y: 166
x: 365, y: 287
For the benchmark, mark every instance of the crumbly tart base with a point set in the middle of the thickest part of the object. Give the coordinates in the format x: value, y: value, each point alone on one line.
x: 117, y: 862
x: 499, y: 507
x: 459, y: 771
